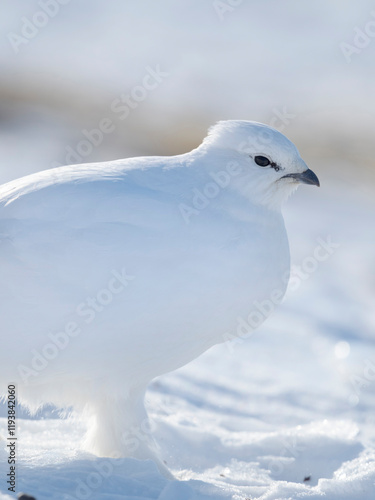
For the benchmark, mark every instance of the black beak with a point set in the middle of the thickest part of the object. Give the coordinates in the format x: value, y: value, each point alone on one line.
x: 306, y: 177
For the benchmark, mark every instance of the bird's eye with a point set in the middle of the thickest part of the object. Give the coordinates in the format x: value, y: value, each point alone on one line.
x: 262, y: 161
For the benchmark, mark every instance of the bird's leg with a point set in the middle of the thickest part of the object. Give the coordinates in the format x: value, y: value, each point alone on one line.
x: 120, y: 427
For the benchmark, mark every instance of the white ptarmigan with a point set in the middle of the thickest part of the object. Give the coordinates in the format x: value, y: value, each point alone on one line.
x: 114, y: 273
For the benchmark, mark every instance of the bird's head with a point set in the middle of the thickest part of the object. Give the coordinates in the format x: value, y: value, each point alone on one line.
x: 270, y: 167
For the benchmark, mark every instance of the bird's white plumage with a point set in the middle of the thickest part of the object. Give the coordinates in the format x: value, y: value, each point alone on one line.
x: 149, y: 260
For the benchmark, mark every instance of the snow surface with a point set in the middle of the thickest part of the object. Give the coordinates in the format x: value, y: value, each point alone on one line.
x: 254, y: 418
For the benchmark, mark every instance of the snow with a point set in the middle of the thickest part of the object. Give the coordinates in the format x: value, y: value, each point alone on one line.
x: 254, y: 418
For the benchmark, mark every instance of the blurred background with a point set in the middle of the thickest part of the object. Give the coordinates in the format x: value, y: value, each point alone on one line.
x: 94, y: 80
x: 304, y: 67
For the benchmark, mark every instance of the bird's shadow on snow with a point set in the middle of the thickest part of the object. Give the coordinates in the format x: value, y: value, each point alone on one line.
x: 98, y: 478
